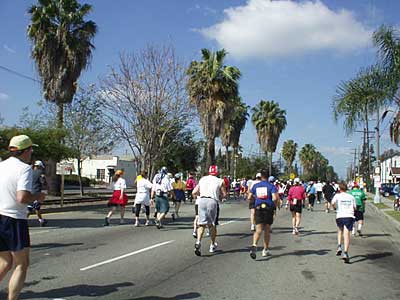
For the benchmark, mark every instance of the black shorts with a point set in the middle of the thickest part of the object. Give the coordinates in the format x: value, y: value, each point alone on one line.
x: 297, y: 208
x: 264, y: 216
x: 252, y: 204
x: 359, y: 215
x: 14, y: 234
x: 196, y: 209
x: 348, y: 222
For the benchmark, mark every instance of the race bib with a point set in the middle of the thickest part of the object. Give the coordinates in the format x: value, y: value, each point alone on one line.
x: 262, y: 192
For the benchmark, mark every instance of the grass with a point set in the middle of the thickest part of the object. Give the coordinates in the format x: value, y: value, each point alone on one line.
x: 394, y: 214
x: 381, y: 205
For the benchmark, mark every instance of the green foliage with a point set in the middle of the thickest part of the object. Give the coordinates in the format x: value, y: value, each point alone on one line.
x: 74, y: 180
x: 289, y: 150
x: 249, y: 166
x: 47, y: 139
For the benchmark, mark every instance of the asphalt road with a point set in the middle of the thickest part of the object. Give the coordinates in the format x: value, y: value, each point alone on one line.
x: 77, y: 258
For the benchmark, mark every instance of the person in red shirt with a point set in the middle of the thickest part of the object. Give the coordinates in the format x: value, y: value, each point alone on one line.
x: 296, y: 196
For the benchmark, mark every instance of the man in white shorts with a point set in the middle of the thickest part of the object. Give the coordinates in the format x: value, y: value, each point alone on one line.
x: 210, y: 190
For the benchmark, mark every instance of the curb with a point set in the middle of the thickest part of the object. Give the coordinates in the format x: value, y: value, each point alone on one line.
x: 382, y: 212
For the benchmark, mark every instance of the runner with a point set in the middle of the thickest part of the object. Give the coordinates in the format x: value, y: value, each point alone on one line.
x: 119, y: 197
x: 227, y: 183
x: 296, y: 197
x: 318, y: 188
x: 360, y: 197
x: 329, y: 191
x: 210, y: 190
x: 243, y: 187
x: 179, y: 192
x: 265, y: 198
x: 190, y: 185
x: 37, y: 182
x: 251, y: 203
x: 236, y: 187
x: 311, y: 194
x: 345, y: 205
x: 161, y: 187
x: 15, y: 193
x: 144, y: 187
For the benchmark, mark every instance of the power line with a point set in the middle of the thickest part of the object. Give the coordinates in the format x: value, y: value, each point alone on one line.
x: 18, y: 74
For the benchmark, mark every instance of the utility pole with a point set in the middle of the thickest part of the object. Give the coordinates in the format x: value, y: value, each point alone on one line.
x: 377, y: 173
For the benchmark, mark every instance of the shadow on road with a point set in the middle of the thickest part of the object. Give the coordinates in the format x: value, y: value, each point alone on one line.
x: 298, y: 253
x: 178, y: 297
x: 54, y: 245
x: 83, y: 290
x: 370, y: 256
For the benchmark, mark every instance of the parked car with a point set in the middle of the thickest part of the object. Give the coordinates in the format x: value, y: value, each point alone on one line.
x: 386, y: 189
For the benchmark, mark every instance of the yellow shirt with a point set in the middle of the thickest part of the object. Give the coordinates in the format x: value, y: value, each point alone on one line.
x: 179, y: 185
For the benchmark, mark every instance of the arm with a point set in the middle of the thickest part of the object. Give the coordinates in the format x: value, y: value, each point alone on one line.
x: 223, y: 191
x: 196, y: 191
x: 275, y: 198
x: 25, y: 197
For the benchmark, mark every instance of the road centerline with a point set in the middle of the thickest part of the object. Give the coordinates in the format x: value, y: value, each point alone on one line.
x: 126, y: 255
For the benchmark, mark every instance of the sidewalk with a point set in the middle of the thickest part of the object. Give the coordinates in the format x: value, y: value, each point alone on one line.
x: 385, y: 206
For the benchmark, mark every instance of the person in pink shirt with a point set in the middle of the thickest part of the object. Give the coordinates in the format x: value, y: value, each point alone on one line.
x: 296, y: 196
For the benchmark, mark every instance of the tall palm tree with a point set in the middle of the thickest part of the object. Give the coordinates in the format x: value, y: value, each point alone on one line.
x: 233, y: 127
x: 289, y: 150
x: 307, y: 157
x: 62, y: 47
x: 269, y: 121
x: 211, y: 85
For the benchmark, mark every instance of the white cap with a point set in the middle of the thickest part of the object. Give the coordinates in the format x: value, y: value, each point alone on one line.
x: 39, y: 163
x: 297, y: 180
x: 258, y: 175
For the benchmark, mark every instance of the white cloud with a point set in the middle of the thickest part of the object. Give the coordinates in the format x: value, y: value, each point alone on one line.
x: 265, y: 28
x: 4, y: 96
x: 8, y: 49
x: 336, y: 150
x: 206, y: 10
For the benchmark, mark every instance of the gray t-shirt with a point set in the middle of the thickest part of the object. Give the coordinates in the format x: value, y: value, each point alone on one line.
x: 37, y: 181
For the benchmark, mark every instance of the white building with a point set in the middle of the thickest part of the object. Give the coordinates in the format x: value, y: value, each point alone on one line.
x: 390, y: 169
x: 101, y: 168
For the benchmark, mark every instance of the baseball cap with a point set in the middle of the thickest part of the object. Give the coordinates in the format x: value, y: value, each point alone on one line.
x: 178, y: 175
x: 164, y: 170
x: 213, y: 170
x: 39, y: 163
x: 258, y: 175
x: 271, y: 178
x: 20, y: 142
x: 297, y: 180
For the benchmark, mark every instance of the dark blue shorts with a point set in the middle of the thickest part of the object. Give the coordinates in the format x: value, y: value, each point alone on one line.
x: 348, y: 222
x: 14, y: 234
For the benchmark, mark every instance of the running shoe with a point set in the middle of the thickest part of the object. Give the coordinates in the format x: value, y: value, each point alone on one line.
x: 346, y: 257
x: 159, y: 225
x: 207, y: 231
x: 294, y: 231
x: 136, y: 224
x: 121, y: 222
x: 253, y: 250
x: 359, y: 232
x: 147, y: 223
x: 327, y: 211
x: 253, y: 227
x: 353, y: 232
x: 339, y: 251
x: 213, y: 247
x: 42, y: 222
x: 106, y: 222
x: 173, y: 217
x: 197, y: 248
x: 194, y: 234
x: 266, y: 252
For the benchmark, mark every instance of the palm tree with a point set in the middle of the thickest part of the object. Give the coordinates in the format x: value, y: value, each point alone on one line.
x: 233, y: 127
x: 307, y: 157
x: 289, y: 150
x: 269, y: 121
x: 211, y: 85
x: 62, y: 47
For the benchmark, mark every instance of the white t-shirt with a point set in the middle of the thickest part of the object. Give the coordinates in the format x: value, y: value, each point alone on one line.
x: 15, y: 175
x: 318, y: 187
x: 143, y: 192
x: 163, y: 184
x: 345, y: 205
x: 120, y: 184
x: 253, y: 182
x: 210, y: 187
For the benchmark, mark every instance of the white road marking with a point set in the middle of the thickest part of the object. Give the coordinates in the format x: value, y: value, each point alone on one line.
x: 38, y: 231
x: 126, y: 255
x: 229, y: 222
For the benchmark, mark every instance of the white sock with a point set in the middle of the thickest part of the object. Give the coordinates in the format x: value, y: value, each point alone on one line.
x: 359, y: 226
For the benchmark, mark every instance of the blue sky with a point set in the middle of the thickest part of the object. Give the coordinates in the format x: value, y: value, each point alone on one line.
x: 293, y: 52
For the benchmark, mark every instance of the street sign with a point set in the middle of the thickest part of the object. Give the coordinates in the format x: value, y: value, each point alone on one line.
x: 377, y: 181
x: 292, y: 175
x: 65, y: 168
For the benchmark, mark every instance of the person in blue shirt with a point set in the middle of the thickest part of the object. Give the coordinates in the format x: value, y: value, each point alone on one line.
x: 311, y: 194
x: 265, y: 198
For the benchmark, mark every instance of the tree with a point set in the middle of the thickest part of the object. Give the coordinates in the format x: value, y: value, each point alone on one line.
x: 211, y: 86
x: 232, y: 129
x: 306, y: 156
x: 145, y: 101
x: 88, y: 134
x: 269, y: 121
x: 62, y: 48
x: 289, y: 150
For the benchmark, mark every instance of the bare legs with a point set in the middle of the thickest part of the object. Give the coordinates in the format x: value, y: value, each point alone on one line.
x: 258, y: 232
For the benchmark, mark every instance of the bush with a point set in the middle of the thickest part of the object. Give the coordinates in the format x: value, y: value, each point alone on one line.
x: 74, y: 180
